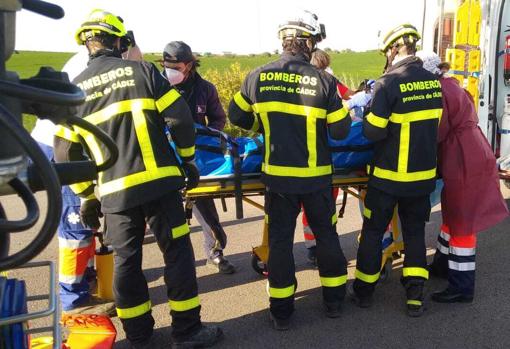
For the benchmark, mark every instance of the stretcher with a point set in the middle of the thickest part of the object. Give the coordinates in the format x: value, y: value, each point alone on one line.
x: 242, y: 187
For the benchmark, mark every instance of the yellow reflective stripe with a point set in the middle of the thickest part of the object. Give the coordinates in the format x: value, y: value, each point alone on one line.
x: 366, y: 277
x: 79, y: 188
x: 404, y: 177
x: 167, y: 100
x: 137, y: 178
x: 267, y: 136
x: 333, y: 281
x: 115, y: 109
x: 415, y: 271
x: 67, y: 134
x: 334, y: 219
x: 281, y: 292
x: 242, y: 103
x: 186, y: 152
x: 129, y: 313
x: 289, y: 171
x: 403, y: 152
x: 185, y: 305
x: 181, y: 230
x: 377, y: 120
x: 414, y: 302
x: 266, y: 218
x: 367, y: 212
x: 255, y: 125
x: 416, y: 116
x: 289, y: 108
x: 93, y: 146
x: 311, y: 141
x: 337, y: 115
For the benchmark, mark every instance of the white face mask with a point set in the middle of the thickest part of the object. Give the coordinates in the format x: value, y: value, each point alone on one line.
x: 174, y: 77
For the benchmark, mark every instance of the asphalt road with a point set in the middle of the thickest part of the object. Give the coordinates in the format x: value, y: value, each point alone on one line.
x: 239, y: 302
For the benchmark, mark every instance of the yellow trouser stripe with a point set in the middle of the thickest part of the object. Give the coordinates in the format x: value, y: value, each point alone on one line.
x: 129, y: 313
x: 138, y: 178
x: 416, y: 116
x: 337, y: 115
x: 333, y: 281
x: 367, y: 212
x: 289, y: 171
x: 267, y: 136
x: 266, y: 218
x: 282, y: 292
x: 186, y: 152
x: 415, y: 271
x: 334, y: 219
x: 67, y: 134
x: 167, y: 100
x: 289, y: 108
x: 404, y: 177
x: 403, y: 152
x: 377, y: 120
x: 311, y: 141
x: 185, y: 305
x: 242, y: 103
x: 179, y: 231
x: 413, y: 302
x: 366, y: 277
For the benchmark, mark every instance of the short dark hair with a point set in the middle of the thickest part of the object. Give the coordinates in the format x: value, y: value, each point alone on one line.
x: 107, y: 41
x: 295, y: 45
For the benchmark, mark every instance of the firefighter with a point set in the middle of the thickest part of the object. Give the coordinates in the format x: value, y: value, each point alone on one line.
x: 294, y: 105
x: 403, y: 122
x: 131, y: 101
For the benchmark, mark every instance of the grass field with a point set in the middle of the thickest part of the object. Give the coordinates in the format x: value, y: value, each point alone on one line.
x: 350, y: 67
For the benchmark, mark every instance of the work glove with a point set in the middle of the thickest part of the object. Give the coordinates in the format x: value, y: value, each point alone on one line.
x: 192, y: 174
x: 90, y: 212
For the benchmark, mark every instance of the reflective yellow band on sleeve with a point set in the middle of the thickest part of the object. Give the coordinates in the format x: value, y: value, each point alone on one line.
x: 185, y: 305
x: 404, y: 176
x: 179, y: 231
x: 338, y: 115
x: 416, y: 116
x: 377, y: 121
x: 333, y: 281
x: 288, y: 171
x: 414, y: 302
x: 282, y: 292
x: 255, y: 125
x: 67, y: 134
x: 167, y: 100
x: 415, y: 271
x: 367, y: 212
x: 79, y: 188
x: 186, y: 152
x: 366, y: 277
x: 334, y: 219
x: 242, y: 103
x: 129, y: 313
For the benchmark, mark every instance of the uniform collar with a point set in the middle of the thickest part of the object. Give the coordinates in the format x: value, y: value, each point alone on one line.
x: 286, y: 56
x: 405, y: 61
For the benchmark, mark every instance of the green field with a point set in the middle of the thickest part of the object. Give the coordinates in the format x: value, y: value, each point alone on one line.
x: 350, y: 67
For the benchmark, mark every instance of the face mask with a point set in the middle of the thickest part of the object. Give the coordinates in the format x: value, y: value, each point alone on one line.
x: 174, y: 77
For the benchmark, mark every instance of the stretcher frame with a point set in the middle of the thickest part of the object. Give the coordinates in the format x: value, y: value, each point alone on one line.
x: 242, y: 187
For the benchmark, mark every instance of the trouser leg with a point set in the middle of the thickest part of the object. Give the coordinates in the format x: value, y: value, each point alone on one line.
x: 413, y: 213
x: 461, y: 263
x: 76, y: 249
x: 126, y: 231
x: 377, y: 214
x: 440, y: 261
x: 167, y: 220
x: 307, y: 232
x: 211, y: 247
x: 320, y: 207
x: 216, y: 239
x: 282, y: 211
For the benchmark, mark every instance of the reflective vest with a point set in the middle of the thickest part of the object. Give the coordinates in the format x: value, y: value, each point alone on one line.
x: 292, y: 103
x: 405, y: 113
x: 127, y: 100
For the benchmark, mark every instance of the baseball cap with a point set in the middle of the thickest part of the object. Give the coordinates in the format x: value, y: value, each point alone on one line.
x: 176, y: 52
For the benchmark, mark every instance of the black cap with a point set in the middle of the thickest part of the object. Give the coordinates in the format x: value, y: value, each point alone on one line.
x: 176, y: 52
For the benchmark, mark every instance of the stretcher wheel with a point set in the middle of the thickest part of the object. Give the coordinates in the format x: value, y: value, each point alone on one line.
x: 386, y: 270
x: 257, y: 265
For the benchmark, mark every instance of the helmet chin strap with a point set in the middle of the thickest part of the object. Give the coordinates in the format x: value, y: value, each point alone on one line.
x: 391, y: 58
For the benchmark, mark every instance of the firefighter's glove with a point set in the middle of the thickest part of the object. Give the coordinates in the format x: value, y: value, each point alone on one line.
x: 90, y: 212
x: 192, y: 174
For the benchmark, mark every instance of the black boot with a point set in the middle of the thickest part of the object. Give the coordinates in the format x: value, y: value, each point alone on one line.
x: 206, y: 337
x: 360, y: 301
x: 451, y: 296
x: 279, y: 324
x: 414, y: 294
x: 221, y: 265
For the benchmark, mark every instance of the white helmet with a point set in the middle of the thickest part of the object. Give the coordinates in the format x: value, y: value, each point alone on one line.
x: 304, y: 25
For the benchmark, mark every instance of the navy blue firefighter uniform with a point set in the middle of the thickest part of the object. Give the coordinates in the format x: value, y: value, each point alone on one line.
x: 405, y: 112
x: 293, y: 104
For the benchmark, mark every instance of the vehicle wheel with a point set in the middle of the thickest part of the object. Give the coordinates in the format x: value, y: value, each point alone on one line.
x: 257, y: 265
x: 386, y: 270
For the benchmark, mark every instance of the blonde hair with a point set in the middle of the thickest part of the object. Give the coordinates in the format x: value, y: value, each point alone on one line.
x: 320, y: 59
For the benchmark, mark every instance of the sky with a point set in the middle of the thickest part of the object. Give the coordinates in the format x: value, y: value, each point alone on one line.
x: 217, y: 26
